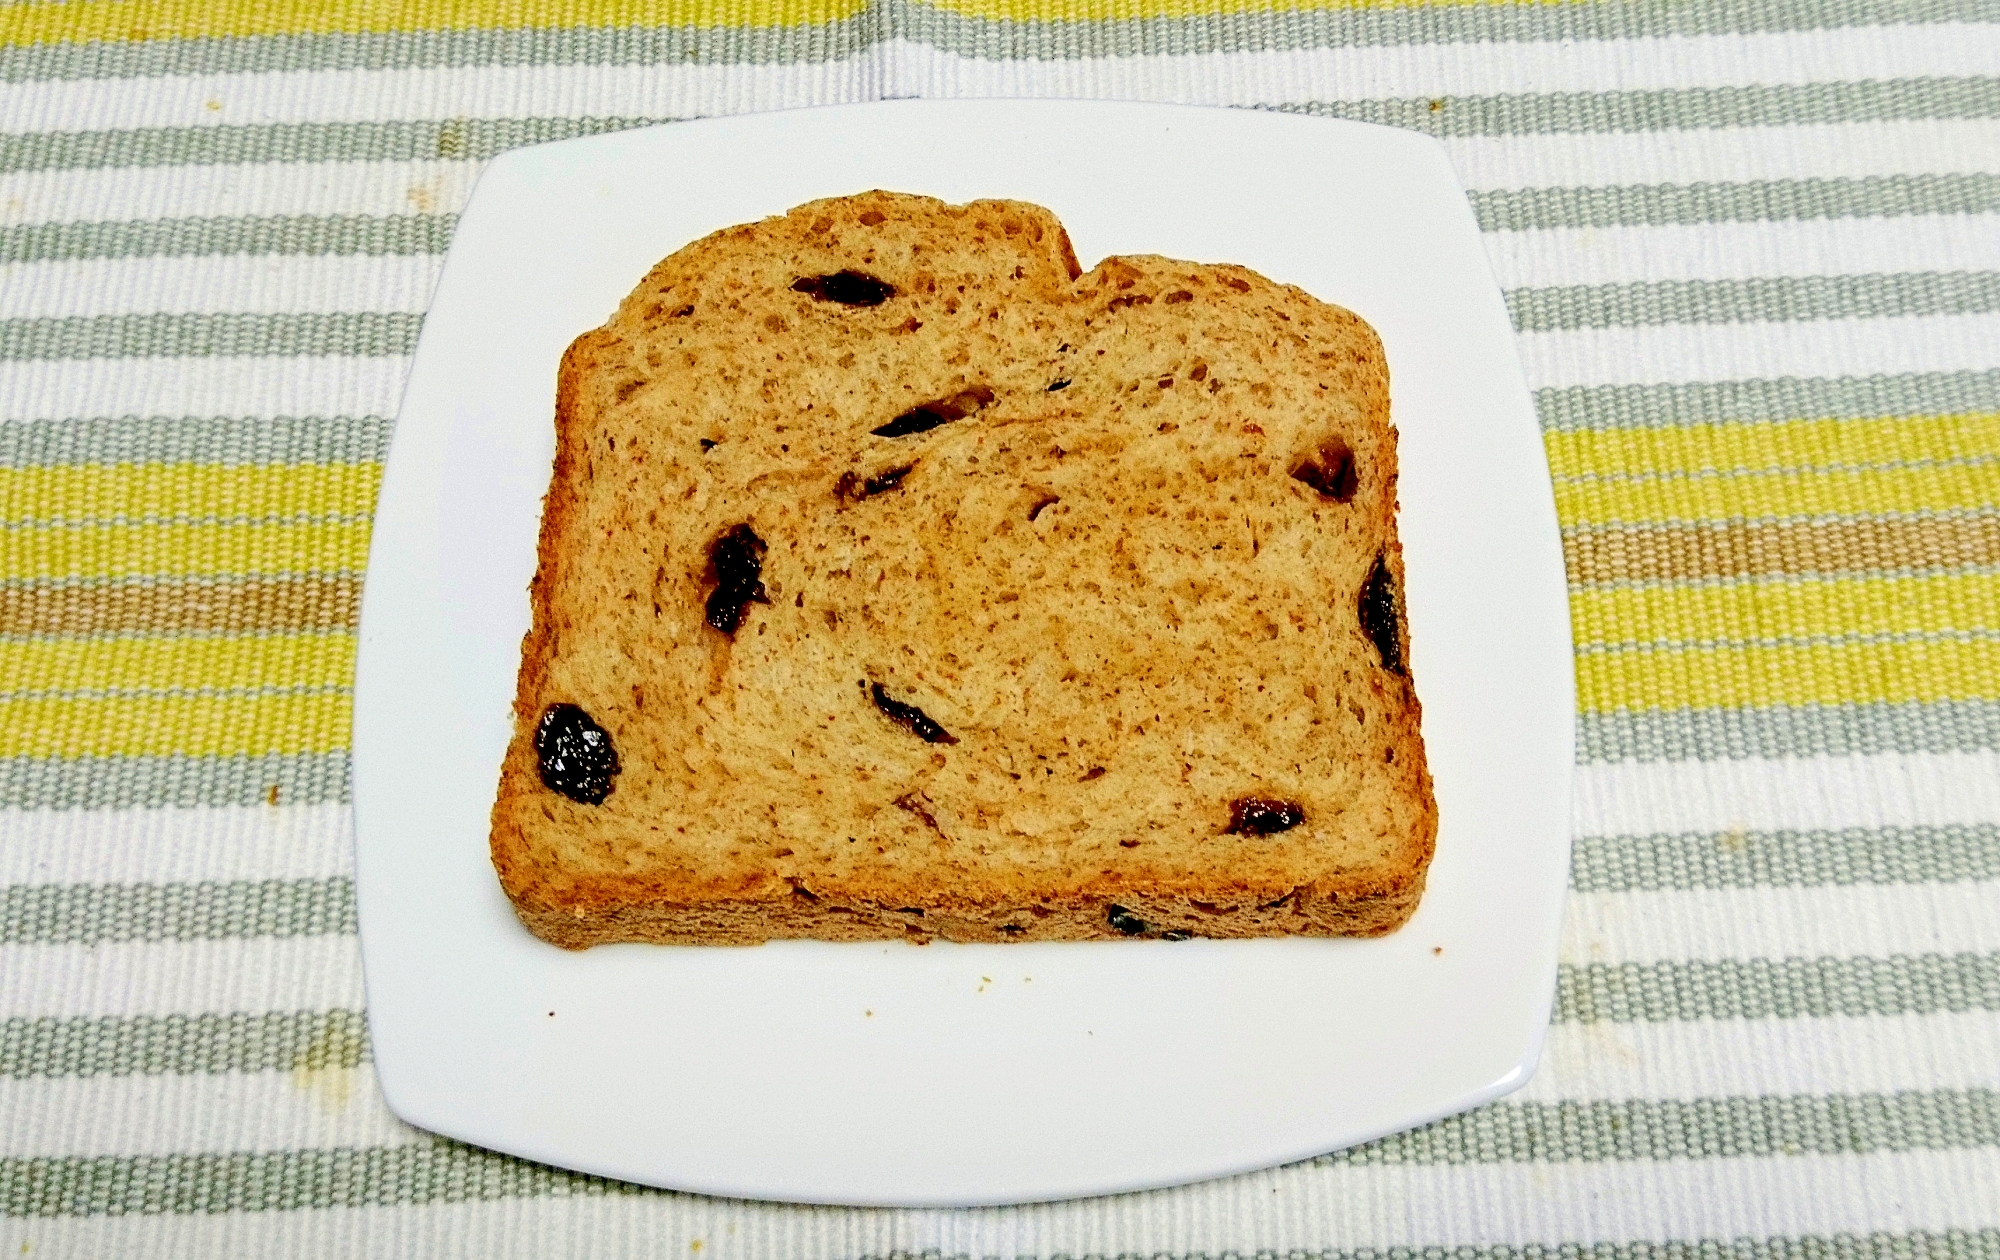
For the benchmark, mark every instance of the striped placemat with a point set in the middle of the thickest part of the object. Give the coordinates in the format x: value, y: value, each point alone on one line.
x: 1753, y: 251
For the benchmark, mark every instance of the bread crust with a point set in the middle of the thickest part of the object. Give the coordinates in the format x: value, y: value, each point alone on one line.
x: 731, y: 823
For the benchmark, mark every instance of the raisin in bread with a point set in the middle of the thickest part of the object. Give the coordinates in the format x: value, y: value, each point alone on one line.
x: 895, y: 579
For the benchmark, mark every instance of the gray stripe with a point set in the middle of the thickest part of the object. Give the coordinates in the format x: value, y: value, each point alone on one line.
x: 134, y: 782
x: 1500, y: 115
x: 1785, y: 859
x: 210, y: 1043
x: 1701, y: 1128
x: 1813, y: 730
x: 283, y: 1181
x: 227, y: 440
x: 1655, y: 205
x: 1347, y: 27
x: 1581, y: 407
x: 203, y: 1044
x: 1673, y: 109
x: 404, y: 50
x: 202, y: 335
x: 351, y: 234
x: 442, y: 1171
x: 428, y: 140
x: 1758, y: 299
x: 1498, y: 210
x: 1772, y: 988
x: 91, y: 914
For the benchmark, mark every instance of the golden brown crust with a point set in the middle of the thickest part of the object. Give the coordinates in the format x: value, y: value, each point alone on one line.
x: 1126, y: 414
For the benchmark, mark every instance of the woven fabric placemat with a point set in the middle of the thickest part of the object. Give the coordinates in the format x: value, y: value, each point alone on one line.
x: 1753, y: 251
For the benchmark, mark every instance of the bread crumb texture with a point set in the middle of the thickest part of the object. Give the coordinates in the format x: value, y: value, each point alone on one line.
x: 922, y: 587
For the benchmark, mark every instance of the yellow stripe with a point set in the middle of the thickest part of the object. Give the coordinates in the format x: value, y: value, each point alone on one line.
x: 1748, y: 677
x: 1869, y: 492
x: 1786, y: 444
x: 1113, y: 10
x: 270, y: 660
x: 95, y: 492
x: 197, y: 726
x: 116, y: 551
x: 120, y: 20
x: 1927, y: 604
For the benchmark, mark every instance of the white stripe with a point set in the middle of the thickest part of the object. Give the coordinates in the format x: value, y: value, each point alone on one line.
x: 1718, y: 352
x: 1306, y: 1208
x: 1764, y: 794
x: 1730, y: 251
x: 268, y: 284
x: 198, y: 1114
x: 1731, y: 154
x: 162, y: 977
x: 59, y: 389
x: 1562, y: 256
x: 1875, y: 920
x: 648, y: 90
x: 1445, y: 70
x: 168, y: 1113
x: 1723, y: 1058
x: 270, y: 188
x: 1744, y: 153
x: 1227, y: 78
x: 175, y: 846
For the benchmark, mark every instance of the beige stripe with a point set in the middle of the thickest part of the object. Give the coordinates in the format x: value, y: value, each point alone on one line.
x: 1628, y: 554
x: 255, y: 604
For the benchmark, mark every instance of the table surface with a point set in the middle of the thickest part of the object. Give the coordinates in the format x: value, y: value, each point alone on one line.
x: 1752, y: 249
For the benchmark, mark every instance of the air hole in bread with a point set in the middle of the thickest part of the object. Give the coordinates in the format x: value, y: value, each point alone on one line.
x: 736, y: 567
x: 1125, y: 921
x: 1263, y: 816
x: 848, y: 288
x: 1381, y: 616
x: 909, y: 717
x: 852, y: 488
x: 932, y: 414
x: 1330, y: 469
x: 1042, y: 502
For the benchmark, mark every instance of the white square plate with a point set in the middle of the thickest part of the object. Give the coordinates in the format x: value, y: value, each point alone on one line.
x: 955, y: 1074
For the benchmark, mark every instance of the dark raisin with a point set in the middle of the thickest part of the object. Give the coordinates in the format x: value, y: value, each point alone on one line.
x: 708, y: 444
x: 1381, y: 615
x: 1330, y: 470
x: 853, y: 489
x: 1062, y: 384
x: 1125, y: 921
x: 576, y: 755
x: 932, y: 414
x: 736, y: 566
x: 849, y: 288
x: 1263, y: 816
x: 910, y: 717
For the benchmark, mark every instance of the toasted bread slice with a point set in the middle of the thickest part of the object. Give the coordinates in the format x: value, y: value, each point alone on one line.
x: 897, y: 580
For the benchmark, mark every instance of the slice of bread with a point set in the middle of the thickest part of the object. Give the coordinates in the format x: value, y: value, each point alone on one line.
x: 897, y: 580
